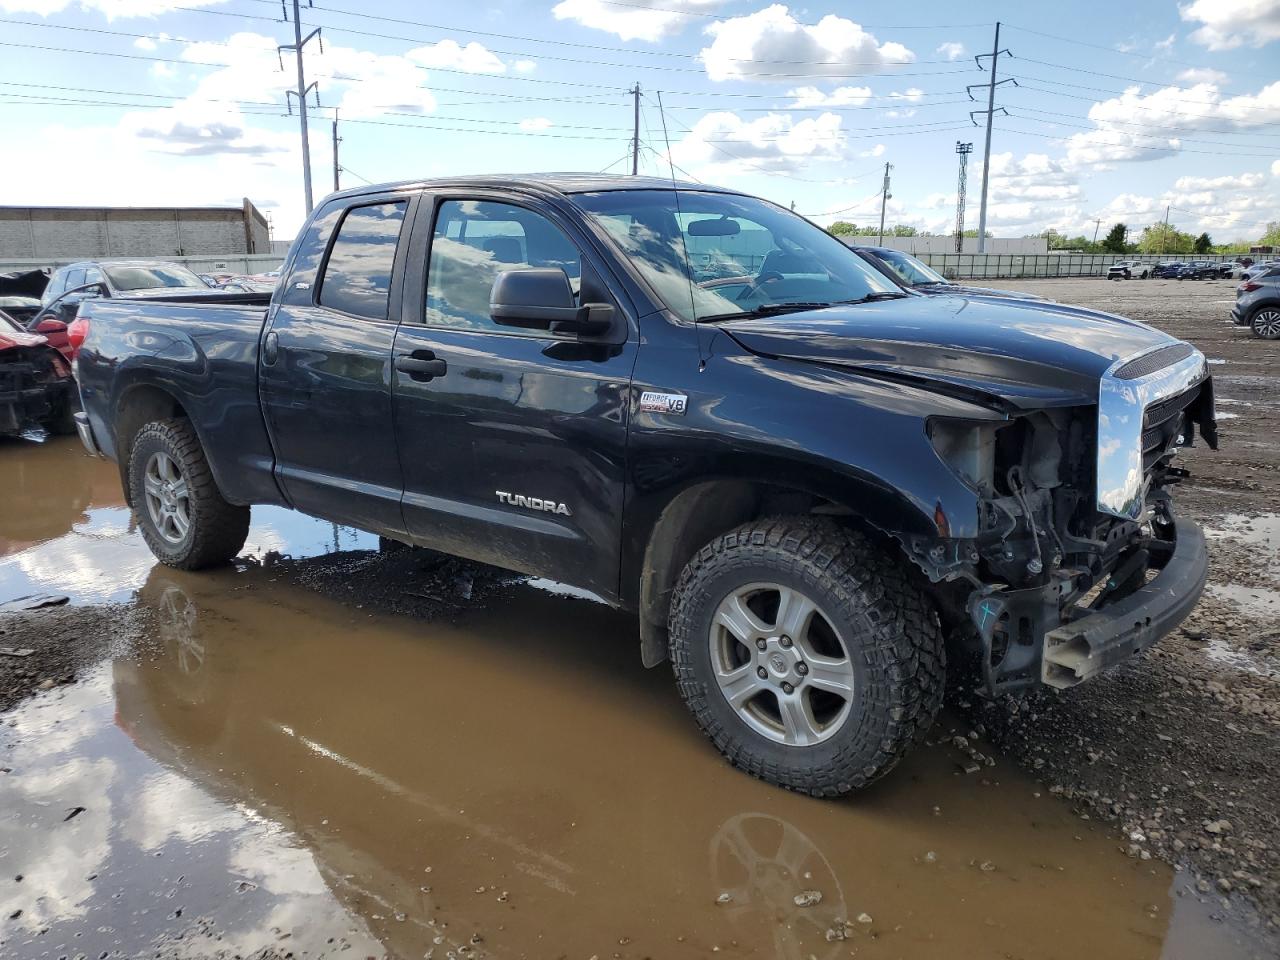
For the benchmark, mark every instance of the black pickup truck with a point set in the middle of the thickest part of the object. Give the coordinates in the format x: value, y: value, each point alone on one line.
x: 812, y: 489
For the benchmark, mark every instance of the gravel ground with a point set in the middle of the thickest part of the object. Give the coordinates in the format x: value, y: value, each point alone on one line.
x: 1179, y: 747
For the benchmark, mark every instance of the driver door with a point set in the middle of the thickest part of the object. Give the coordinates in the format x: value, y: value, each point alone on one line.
x: 513, y: 440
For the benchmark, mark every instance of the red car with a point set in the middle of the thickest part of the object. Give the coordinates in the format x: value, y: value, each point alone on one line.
x: 36, y: 385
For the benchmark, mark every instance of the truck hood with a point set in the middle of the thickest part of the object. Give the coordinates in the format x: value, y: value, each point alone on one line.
x: 1009, y: 352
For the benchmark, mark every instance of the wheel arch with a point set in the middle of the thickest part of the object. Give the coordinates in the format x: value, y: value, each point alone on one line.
x: 137, y: 405
x: 707, y: 507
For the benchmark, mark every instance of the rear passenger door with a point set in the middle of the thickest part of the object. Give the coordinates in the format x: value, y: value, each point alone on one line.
x: 514, y: 441
x: 325, y: 364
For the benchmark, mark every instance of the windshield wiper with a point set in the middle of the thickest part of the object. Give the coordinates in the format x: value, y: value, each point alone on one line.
x: 878, y: 295
x: 769, y: 310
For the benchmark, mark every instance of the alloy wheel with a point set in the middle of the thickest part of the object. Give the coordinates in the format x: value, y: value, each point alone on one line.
x: 166, y: 494
x: 781, y: 664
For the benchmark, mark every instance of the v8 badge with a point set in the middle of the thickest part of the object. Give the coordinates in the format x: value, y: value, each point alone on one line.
x: 653, y: 402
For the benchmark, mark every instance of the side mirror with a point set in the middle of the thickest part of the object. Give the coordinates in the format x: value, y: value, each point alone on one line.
x: 541, y: 298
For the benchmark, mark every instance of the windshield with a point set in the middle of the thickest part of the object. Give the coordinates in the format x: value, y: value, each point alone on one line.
x: 139, y: 277
x: 712, y: 255
x: 911, y: 270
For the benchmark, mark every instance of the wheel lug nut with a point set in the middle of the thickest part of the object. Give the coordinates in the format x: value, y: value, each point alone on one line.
x: 760, y: 644
x: 786, y: 641
x: 762, y: 673
x: 802, y: 668
x: 787, y: 688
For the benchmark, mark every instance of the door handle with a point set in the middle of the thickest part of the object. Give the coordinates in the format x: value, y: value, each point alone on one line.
x: 270, y: 348
x: 421, y: 365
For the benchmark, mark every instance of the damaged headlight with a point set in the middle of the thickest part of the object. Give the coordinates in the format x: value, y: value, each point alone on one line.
x: 968, y: 447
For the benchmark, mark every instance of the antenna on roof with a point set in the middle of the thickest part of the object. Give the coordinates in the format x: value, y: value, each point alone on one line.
x: 665, y: 139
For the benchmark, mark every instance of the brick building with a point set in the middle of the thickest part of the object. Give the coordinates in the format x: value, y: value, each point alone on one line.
x: 90, y: 233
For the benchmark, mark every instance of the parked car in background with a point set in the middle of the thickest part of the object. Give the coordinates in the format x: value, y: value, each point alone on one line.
x: 1258, y: 269
x: 1128, y: 269
x: 800, y: 486
x: 914, y: 273
x: 1167, y: 269
x: 22, y: 309
x: 36, y: 386
x: 1258, y: 304
x: 1198, y: 270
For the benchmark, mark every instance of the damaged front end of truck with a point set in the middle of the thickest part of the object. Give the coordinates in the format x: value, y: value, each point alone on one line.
x: 1079, y: 561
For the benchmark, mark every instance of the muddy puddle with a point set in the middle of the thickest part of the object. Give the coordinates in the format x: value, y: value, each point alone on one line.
x: 65, y: 529
x: 275, y: 769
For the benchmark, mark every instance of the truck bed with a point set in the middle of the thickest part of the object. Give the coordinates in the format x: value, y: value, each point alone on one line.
x: 200, y: 354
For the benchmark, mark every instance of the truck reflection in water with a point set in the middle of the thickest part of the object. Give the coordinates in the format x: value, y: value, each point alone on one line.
x: 514, y: 783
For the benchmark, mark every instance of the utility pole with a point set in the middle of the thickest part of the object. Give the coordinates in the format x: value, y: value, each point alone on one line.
x: 964, y: 149
x: 299, y: 42
x: 1164, y: 234
x: 884, y: 200
x: 990, y: 112
x: 336, y: 140
x: 1096, y: 224
x: 635, y: 131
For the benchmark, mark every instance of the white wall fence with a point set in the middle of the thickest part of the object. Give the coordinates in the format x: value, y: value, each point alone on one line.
x: 239, y: 264
x: 962, y: 266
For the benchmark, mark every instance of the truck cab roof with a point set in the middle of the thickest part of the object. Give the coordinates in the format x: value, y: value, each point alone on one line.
x: 546, y: 183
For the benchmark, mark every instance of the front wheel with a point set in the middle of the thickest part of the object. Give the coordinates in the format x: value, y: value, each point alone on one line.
x: 181, y: 513
x: 1266, y: 323
x: 806, y: 654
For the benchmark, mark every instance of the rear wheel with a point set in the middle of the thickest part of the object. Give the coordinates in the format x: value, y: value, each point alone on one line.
x: 182, y: 515
x: 1266, y: 323
x: 806, y: 654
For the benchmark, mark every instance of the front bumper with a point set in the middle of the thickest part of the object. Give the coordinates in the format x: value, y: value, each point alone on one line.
x: 1078, y: 650
x: 1027, y: 638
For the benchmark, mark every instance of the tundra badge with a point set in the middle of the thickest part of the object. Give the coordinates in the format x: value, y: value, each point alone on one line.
x: 532, y: 503
x: 654, y: 402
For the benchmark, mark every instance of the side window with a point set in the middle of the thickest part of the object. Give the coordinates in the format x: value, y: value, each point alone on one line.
x: 57, y: 283
x: 474, y: 241
x: 357, y: 277
x: 75, y: 278
x: 92, y: 275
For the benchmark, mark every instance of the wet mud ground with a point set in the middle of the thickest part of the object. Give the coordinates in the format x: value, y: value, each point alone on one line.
x: 328, y: 751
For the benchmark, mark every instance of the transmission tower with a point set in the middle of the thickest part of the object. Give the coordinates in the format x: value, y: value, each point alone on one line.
x: 964, y: 149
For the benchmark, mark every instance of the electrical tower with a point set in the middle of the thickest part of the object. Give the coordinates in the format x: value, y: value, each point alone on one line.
x: 299, y: 43
x: 990, y: 112
x: 964, y: 149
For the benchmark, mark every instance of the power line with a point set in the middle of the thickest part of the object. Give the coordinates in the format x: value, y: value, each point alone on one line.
x: 1149, y: 126
x: 1138, y: 146
x: 1149, y: 136
x: 865, y: 26
x: 1121, y: 93
x: 1124, y: 53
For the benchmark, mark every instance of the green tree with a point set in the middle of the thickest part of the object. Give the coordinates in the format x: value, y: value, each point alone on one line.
x: 1115, y: 240
x: 1159, y: 238
x: 842, y: 227
x: 1272, y: 237
x: 1203, y: 244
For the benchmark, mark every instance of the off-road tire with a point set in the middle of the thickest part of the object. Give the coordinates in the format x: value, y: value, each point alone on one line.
x: 892, y: 630
x: 217, y: 529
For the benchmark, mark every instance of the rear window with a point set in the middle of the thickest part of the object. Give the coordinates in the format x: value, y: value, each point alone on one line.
x: 357, y: 277
x: 137, y: 276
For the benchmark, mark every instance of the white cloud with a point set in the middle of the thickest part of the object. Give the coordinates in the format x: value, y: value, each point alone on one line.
x: 650, y: 20
x: 1203, y: 75
x: 723, y: 144
x: 164, y: 71
x: 771, y: 43
x: 111, y: 9
x: 951, y: 50
x: 535, y: 123
x: 525, y: 66
x: 1275, y: 168
x: 1200, y: 107
x: 1165, y: 45
x: 1243, y: 181
x: 839, y: 97
x: 912, y: 95
x: 449, y: 54
x: 876, y: 151
x: 142, y: 43
x: 1228, y: 24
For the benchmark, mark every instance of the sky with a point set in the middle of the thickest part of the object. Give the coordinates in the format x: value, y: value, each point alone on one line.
x: 1117, y: 112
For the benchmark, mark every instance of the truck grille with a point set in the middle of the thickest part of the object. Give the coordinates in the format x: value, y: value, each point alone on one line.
x: 1151, y: 362
x: 1162, y: 424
